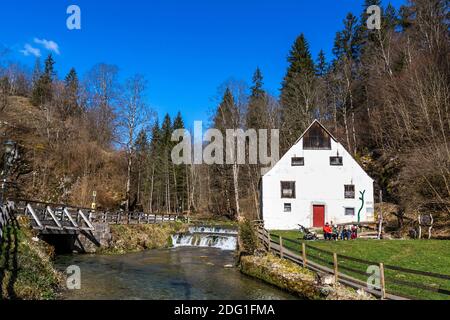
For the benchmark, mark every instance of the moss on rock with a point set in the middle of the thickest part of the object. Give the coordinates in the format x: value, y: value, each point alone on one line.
x: 295, y: 279
x: 281, y: 273
x: 135, y: 238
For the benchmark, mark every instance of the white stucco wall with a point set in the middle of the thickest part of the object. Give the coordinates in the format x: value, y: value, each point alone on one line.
x: 317, y: 183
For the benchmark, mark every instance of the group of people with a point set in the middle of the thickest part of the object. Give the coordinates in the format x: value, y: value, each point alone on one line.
x: 333, y: 232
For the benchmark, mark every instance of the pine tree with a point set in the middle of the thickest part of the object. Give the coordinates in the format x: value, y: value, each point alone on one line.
x: 179, y: 174
x: 390, y: 18
x: 347, y: 43
x: 257, y: 117
x: 43, y: 88
x: 257, y: 113
x: 166, y: 144
x: 141, y: 148
x: 321, y: 65
x: 227, y: 116
x: 155, y: 159
x: 297, y: 93
x: 71, y: 94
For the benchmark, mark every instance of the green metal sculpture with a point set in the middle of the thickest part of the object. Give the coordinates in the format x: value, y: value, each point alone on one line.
x: 362, y: 204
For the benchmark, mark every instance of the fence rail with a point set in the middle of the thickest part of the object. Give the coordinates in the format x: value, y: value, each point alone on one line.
x: 316, y: 260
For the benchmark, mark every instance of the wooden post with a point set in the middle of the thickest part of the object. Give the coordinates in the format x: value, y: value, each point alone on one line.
x: 304, y: 255
x: 336, y: 271
x: 268, y: 241
x: 382, y: 282
x: 139, y: 220
x: 380, y: 218
x: 281, y: 248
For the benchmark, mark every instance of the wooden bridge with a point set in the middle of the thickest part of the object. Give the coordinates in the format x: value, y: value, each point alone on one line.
x: 51, y: 218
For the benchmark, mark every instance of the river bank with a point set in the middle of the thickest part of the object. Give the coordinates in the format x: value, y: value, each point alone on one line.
x: 26, y: 265
x: 294, y: 279
x: 136, y: 238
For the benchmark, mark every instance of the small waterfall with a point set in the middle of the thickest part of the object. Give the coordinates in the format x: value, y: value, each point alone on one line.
x: 202, y: 236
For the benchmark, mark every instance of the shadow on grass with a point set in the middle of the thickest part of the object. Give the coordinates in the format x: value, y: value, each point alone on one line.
x: 8, y: 261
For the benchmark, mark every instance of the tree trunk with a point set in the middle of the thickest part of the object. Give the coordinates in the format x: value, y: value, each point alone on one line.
x: 128, y: 185
x: 236, y: 189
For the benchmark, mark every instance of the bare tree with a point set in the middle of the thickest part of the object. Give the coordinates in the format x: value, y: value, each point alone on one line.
x: 133, y: 115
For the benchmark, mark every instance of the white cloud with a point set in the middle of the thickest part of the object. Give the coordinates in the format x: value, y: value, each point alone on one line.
x: 48, y: 44
x: 29, y: 50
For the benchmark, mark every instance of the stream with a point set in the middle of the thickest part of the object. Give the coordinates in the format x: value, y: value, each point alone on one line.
x: 191, y: 273
x: 200, y: 266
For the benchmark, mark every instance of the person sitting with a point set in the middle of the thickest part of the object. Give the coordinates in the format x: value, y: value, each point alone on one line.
x: 345, y: 235
x: 354, y: 232
x: 327, y: 232
x: 335, y: 232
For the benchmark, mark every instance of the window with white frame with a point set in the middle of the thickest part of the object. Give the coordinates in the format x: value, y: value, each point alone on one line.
x: 297, y: 161
x: 336, y: 161
x: 349, y: 211
x: 288, y: 189
x: 349, y: 191
x: 287, y: 207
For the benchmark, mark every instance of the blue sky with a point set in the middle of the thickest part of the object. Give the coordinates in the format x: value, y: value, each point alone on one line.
x: 186, y: 49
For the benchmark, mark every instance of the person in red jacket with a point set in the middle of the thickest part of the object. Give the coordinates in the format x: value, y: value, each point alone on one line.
x: 327, y: 232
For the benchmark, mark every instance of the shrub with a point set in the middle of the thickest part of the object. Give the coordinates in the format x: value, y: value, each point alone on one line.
x: 247, y: 236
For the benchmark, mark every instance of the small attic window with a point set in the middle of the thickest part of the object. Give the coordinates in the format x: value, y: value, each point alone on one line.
x: 336, y: 161
x: 316, y: 138
x: 297, y: 161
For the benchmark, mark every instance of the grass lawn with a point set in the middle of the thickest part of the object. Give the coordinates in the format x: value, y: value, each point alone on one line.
x: 423, y: 255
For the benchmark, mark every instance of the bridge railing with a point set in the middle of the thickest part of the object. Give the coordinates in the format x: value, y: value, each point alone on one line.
x: 56, y: 217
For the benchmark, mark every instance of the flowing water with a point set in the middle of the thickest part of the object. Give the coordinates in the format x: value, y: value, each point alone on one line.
x: 216, y: 237
x: 177, y: 273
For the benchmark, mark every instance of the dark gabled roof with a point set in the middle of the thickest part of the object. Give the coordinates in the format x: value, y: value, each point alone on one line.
x: 318, y: 122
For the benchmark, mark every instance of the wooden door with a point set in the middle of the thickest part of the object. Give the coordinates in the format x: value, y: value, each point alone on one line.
x: 318, y: 216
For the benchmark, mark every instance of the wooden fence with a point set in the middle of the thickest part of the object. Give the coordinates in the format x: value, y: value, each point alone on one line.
x: 351, y: 271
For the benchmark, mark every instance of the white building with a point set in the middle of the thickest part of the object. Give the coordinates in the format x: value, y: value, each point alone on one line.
x: 315, y: 182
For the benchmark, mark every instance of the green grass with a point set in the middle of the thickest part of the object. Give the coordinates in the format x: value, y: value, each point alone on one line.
x: 422, y: 255
x: 26, y: 268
